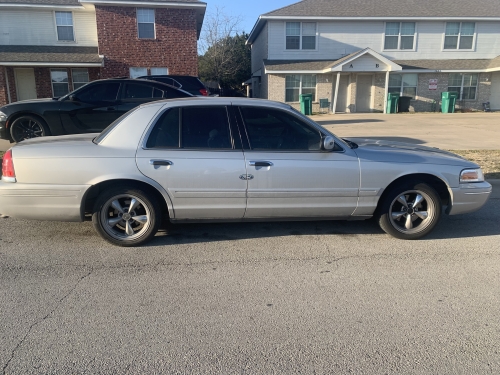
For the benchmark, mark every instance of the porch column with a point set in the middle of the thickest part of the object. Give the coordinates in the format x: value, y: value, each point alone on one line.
x: 386, y: 90
x: 336, y: 93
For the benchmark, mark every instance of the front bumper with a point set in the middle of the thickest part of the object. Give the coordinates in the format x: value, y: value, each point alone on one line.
x: 469, y: 197
x: 4, y: 133
x: 42, y: 202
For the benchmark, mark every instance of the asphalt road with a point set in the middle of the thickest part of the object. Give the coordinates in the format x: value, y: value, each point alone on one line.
x: 260, y: 298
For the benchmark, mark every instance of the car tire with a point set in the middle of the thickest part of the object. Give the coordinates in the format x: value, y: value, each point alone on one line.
x: 410, y: 211
x: 126, y: 216
x: 27, y: 127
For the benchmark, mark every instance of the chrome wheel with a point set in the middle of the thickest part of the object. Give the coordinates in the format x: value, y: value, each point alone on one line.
x: 27, y: 127
x: 411, y: 212
x: 125, y: 217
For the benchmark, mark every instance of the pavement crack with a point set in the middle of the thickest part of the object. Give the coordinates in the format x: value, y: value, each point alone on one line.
x: 30, y: 329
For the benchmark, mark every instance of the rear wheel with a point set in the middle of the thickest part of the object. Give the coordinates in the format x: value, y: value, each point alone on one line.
x: 126, y: 216
x: 410, y: 211
x: 27, y: 127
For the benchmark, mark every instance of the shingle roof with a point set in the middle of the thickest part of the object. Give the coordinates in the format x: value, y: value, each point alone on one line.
x: 321, y: 65
x: 49, y: 54
x: 391, y: 8
x: 76, y: 2
x: 463, y: 64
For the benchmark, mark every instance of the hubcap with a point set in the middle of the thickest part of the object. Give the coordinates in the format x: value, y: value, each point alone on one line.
x: 411, y: 212
x: 125, y: 217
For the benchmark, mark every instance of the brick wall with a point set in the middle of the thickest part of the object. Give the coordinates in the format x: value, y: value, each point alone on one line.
x: 43, y: 83
x: 3, y: 87
x: 175, y: 46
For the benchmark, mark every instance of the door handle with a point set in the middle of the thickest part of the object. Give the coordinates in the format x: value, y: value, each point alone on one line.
x: 160, y: 162
x: 261, y: 163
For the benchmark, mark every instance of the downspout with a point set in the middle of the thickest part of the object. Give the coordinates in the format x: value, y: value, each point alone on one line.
x: 7, y: 84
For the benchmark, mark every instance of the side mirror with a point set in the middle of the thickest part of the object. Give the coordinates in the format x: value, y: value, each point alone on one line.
x: 73, y: 98
x: 328, y: 143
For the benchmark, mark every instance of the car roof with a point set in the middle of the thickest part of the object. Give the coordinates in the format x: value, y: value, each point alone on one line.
x: 214, y: 100
x: 146, y: 81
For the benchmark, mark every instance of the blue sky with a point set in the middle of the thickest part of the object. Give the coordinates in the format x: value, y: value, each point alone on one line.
x: 249, y: 10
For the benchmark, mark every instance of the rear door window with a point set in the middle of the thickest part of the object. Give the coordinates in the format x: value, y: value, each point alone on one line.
x: 192, y: 127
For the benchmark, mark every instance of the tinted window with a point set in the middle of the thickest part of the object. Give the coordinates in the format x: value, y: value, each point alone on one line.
x: 100, y: 92
x: 205, y: 127
x: 138, y: 91
x: 166, y: 131
x: 270, y: 129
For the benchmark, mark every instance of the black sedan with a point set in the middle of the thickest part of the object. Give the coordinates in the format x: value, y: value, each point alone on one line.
x: 88, y: 109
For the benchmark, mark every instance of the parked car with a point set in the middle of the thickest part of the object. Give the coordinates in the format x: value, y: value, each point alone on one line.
x: 231, y: 159
x: 187, y: 83
x: 88, y: 109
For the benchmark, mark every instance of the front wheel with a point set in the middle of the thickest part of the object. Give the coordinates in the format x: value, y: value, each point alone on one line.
x: 126, y: 216
x: 27, y: 127
x: 410, y: 211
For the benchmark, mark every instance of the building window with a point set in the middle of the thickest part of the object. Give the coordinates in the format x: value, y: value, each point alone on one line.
x: 299, y: 84
x: 463, y: 84
x: 138, y: 72
x: 80, y: 77
x: 399, y: 35
x: 64, y: 24
x: 59, y: 78
x: 146, y: 23
x: 159, y: 71
x: 301, y: 35
x: 403, y: 84
x: 459, y: 35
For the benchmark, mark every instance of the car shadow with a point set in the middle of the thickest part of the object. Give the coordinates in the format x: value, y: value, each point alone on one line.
x: 415, y: 141
x: 345, y: 122
x: 482, y: 223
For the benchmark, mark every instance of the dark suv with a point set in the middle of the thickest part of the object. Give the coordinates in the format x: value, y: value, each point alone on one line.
x: 187, y: 83
x: 88, y: 109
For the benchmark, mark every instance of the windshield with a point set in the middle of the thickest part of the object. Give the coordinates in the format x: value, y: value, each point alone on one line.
x: 71, y: 93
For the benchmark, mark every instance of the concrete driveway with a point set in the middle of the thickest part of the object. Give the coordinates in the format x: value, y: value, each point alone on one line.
x: 458, y: 131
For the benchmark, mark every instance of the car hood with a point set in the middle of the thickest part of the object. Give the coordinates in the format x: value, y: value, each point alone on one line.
x: 390, y: 151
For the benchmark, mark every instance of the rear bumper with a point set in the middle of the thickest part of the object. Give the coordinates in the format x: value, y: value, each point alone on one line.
x: 469, y: 197
x: 42, y: 202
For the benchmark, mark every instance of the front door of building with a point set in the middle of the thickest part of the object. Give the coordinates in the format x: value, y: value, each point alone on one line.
x: 342, y: 94
x: 364, y: 93
x: 25, y: 83
x: 495, y: 91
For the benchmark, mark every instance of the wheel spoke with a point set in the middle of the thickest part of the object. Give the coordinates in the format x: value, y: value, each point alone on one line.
x: 143, y: 219
x: 117, y: 206
x: 112, y: 222
x: 422, y: 214
x: 409, y: 222
x: 418, y: 199
x: 402, y: 200
x: 397, y: 215
x: 133, y: 204
x: 128, y: 228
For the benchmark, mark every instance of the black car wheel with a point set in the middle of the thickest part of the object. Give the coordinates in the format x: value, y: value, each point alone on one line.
x: 410, y: 211
x: 26, y: 127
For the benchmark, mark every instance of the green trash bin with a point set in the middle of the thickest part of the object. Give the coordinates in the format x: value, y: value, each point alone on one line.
x: 392, y: 102
x: 306, y: 103
x: 448, y: 101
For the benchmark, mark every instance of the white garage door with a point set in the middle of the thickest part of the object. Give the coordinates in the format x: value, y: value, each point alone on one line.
x: 495, y: 91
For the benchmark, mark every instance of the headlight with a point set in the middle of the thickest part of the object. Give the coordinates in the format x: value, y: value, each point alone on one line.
x: 471, y: 175
x: 3, y: 117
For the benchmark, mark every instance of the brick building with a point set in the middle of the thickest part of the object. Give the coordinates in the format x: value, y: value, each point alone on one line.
x: 51, y: 47
x: 354, y: 53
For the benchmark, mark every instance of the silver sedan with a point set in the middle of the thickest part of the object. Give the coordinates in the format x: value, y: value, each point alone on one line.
x: 231, y: 159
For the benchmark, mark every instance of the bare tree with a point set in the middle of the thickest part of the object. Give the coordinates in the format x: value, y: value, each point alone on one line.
x: 221, y: 45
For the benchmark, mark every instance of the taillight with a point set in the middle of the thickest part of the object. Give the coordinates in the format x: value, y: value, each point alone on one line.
x: 204, y: 92
x: 8, y: 173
